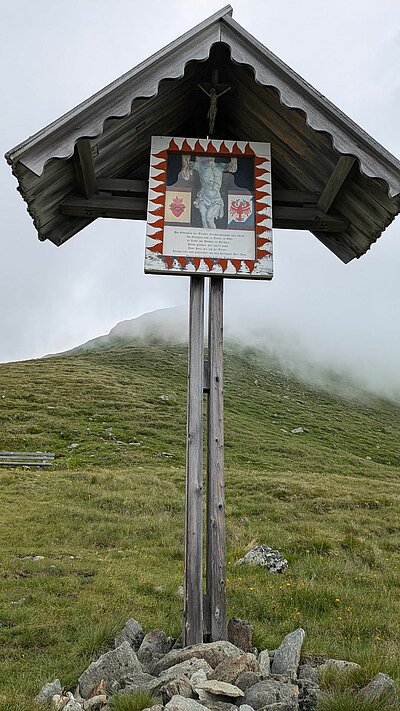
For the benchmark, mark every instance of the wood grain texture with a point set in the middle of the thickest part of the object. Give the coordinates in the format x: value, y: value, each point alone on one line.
x: 335, y: 182
x: 193, y: 584
x: 216, y: 548
x: 84, y: 168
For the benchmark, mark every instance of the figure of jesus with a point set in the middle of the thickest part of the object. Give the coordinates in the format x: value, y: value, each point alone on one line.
x: 208, y: 200
x: 212, y: 111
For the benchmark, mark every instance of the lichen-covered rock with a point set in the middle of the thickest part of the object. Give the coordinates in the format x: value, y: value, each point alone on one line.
x: 48, y: 691
x: 231, y: 667
x: 213, y: 652
x: 95, y: 703
x: 340, y: 664
x: 197, y: 677
x: 265, y: 557
x: 217, y: 705
x: 380, y: 685
x: 132, y: 633
x: 240, y: 633
x: 287, y: 656
x: 154, y: 646
x: 264, y: 662
x: 306, y: 671
x: 73, y: 705
x: 186, y: 668
x: 247, y: 679
x: 180, y: 703
x: 176, y: 687
x: 114, y: 668
x: 308, y: 694
x: 220, y: 688
x: 271, y: 691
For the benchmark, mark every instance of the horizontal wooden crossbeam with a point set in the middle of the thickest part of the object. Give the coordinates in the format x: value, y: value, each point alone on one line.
x: 287, y: 217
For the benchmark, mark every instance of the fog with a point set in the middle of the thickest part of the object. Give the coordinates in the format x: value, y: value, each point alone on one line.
x: 316, y: 312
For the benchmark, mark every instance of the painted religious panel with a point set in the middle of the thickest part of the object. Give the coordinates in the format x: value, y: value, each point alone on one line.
x: 209, y: 208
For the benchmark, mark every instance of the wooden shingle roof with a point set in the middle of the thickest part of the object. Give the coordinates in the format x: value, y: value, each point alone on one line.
x: 329, y: 176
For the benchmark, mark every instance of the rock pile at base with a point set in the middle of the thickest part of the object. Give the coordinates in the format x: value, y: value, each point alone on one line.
x: 219, y: 676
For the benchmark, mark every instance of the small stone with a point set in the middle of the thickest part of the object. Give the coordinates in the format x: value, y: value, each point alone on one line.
x: 220, y: 688
x: 180, y: 703
x: 380, y: 685
x: 186, y: 668
x: 198, y: 676
x: 113, y: 667
x: 297, y: 430
x: 240, y: 633
x: 58, y: 702
x: 218, y: 705
x: 176, y: 687
x: 73, y: 705
x: 265, y: 557
x: 247, y: 679
x: 287, y: 656
x: 48, y: 691
x: 96, y: 702
x: 308, y: 695
x: 264, y: 663
x: 270, y: 692
x: 132, y: 633
x: 246, y: 707
x: 306, y: 671
x: 36, y: 558
x: 231, y: 667
x: 154, y: 646
x: 339, y: 664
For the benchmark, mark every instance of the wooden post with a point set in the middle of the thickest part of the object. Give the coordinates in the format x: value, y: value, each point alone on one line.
x: 215, y: 550
x: 193, y: 587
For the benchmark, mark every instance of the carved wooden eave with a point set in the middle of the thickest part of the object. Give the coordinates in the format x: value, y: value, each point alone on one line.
x: 330, y: 177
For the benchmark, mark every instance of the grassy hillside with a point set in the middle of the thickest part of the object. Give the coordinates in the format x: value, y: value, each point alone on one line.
x: 108, y: 517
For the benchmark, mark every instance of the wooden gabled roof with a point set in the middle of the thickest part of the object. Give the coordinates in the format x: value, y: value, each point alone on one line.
x: 329, y: 176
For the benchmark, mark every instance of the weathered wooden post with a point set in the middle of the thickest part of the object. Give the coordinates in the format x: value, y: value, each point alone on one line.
x: 216, y: 557
x: 193, y: 583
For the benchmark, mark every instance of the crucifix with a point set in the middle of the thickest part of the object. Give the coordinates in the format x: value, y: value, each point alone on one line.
x: 214, y: 91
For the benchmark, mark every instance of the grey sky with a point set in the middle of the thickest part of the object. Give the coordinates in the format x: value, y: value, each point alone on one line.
x: 54, y: 55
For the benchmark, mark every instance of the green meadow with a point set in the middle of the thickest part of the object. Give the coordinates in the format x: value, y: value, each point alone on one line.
x: 107, y: 517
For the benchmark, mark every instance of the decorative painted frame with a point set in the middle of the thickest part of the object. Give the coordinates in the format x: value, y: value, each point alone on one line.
x: 160, y: 235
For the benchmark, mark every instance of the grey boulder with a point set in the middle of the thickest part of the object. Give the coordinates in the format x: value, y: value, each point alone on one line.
x: 154, y: 646
x: 271, y: 691
x: 48, y: 691
x: 265, y: 557
x: 113, y: 667
x: 180, y: 703
x: 213, y: 652
x: 131, y: 633
x: 231, y: 667
x: 380, y: 685
x: 287, y: 656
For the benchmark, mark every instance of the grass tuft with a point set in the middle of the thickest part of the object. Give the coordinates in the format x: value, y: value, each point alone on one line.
x: 348, y: 701
x: 131, y: 702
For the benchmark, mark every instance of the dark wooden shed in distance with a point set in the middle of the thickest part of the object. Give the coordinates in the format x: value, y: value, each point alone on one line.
x: 329, y: 176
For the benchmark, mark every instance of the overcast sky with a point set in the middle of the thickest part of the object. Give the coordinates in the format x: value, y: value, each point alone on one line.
x: 55, y: 55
